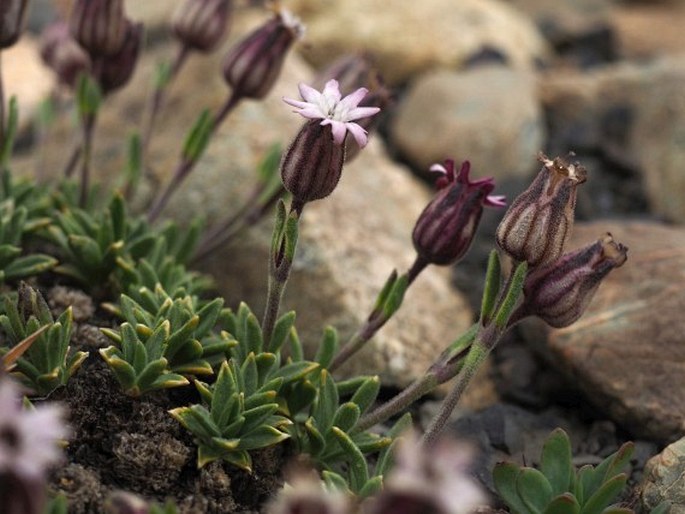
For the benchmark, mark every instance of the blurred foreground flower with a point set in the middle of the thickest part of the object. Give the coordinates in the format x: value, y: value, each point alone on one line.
x: 99, y: 26
x: 431, y: 480
x: 28, y: 445
x: 305, y: 493
x: 62, y: 54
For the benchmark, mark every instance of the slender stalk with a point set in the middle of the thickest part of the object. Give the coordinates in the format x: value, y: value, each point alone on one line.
x: 159, y: 96
x: 373, y: 323
x: 281, y: 260
x: 74, y: 158
x: 401, y: 401
x: 88, y: 131
x: 185, y: 166
x: 474, y: 360
x: 182, y: 170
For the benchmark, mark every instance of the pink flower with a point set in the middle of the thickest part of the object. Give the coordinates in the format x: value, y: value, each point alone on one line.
x: 338, y: 112
x: 28, y: 437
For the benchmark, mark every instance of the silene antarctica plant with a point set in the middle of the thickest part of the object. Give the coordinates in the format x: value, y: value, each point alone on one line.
x: 126, y: 386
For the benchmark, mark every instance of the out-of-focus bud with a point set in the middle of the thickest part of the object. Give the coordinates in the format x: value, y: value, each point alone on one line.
x: 99, y: 26
x: 560, y: 291
x: 201, y: 24
x: 12, y: 17
x: 117, y: 69
x: 312, y: 165
x: 304, y: 492
x: 253, y: 65
x: 121, y: 502
x: 62, y: 54
x: 445, y: 228
x: 352, y: 71
x: 538, y: 223
x: 434, y: 479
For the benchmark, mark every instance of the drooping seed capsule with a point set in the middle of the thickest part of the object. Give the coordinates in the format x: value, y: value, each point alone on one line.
x: 202, y: 24
x: 117, y: 69
x: 99, y: 26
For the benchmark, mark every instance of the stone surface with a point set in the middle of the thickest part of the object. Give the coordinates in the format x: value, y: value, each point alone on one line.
x: 580, y: 31
x: 626, y: 353
x: 348, y: 244
x: 411, y: 37
x: 633, y: 116
x: 649, y: 29
x: 24, y: 75
x: 663, y: 479
x: 489, y: 115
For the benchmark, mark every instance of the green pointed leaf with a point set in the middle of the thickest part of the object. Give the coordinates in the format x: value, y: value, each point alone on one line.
x: 505, y: 476
x: 150, y: 373
x: 564, y: 504
x: 605, y: 495
x: 491, y: 290
x: 358, y: 469
x: 556, y: 462
x: 346, y: 416
x: 250, y: 375
x: 396, y: 296
x: 240, y: 459
x: 316, y: 441
x: 281, y: 331
x: 335, y: 482
x: 262, y: 437
x: 326, y: 403
x: 257, y: 416
x: 367, y: 393
x: 327, y: 348
x: 534, y: 489
x: 198, y: 137
x: 372, y: 487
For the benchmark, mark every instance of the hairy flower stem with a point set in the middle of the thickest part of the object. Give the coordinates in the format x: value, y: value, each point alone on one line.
x: 400, y: 402
x: 280, y: 262
x: 479, y: 351
x: 88, y: 131
x: 159, y: 96
x: 374, y: 322
x: 186, y: 165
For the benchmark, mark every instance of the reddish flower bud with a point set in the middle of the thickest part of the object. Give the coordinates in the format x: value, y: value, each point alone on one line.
x: 539, y: 221
x: 201, y: 24
x: 99, y: 26
x: 117, y: 69
x: 560, y: 291
x: 446, y: 227
x: 62, y: 54
x: 253, y: 65
x: 312, y: 165
x: 12, y: 17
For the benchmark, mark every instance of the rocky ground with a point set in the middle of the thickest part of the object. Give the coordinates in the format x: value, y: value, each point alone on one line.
x: 492, y: 81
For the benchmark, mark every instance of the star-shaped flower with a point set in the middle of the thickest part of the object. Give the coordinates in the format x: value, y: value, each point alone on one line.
x: 450, y: 176
x: 340, y: 113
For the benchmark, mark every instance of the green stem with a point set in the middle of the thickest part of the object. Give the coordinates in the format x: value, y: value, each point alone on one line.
x: 474, y: 360
x: 2, y: 107
x: 88, y: 131
x: 400, y: 402
x: 159, y: 96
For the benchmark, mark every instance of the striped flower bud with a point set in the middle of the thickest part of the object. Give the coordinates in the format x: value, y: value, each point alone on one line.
x: 445, y: 228
x: 117, y: 69
x: 539, y: 221
x: 253, y: 65
x: 312, y: 165
x: 12, y: 17
x: 99, y: 26
x: 201, y: 24
x: 560, y: 291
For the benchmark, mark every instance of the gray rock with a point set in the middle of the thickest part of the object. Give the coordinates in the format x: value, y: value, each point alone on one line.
x: 489, y: 115
x: 411, y: 37
x: 633, y: 116
x: 580, y: 31
x: 663, y: 479
x: 626, y: 353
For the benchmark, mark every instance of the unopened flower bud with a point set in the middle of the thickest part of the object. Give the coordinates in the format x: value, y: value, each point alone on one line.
x: 253, y: 65
x: 12, y: 17
x: 560, y: 291
x: 312, y: 165
x: 99, y: 26
x: 117, y: 69
x: 539, y: 221
x: 445, y: 228
x: 201, y: 24
x: 62, y: 54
